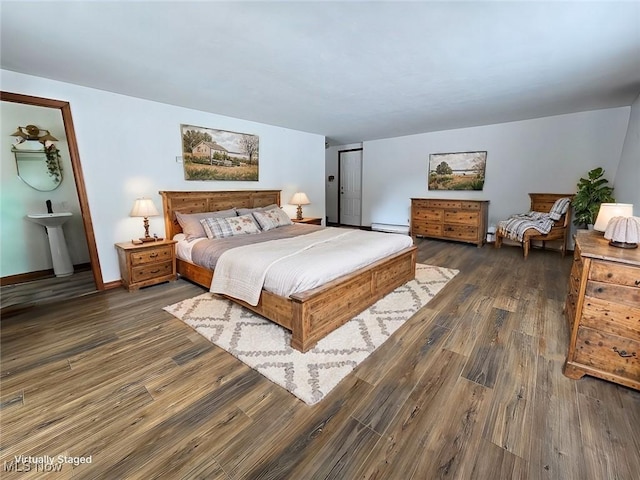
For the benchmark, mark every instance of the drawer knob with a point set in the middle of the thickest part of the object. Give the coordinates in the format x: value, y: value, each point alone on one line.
x: 637, y: 282
x: 624, y: 353
x: 155, y: 271
x: 153, y: 255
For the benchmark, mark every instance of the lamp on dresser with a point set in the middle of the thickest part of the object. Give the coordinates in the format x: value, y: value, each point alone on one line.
x: 144, y: 207
x: 619, y: 225
x: 299, y: 199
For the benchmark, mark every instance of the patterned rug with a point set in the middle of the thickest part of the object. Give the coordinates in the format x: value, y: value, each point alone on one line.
x: 264, y: 346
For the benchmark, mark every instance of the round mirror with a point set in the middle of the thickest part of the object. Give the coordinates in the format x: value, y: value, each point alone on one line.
x: 38, y: 166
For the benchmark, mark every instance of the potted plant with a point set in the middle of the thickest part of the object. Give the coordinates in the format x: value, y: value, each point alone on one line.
x: 592, y: 191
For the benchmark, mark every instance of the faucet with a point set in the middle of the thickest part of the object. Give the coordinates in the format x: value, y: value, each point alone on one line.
x: 49, y: 209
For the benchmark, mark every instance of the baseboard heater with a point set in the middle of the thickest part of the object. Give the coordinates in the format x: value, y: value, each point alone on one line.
x: 390, y: 228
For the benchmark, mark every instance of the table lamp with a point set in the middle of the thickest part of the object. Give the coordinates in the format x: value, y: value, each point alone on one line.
x: 299, y: 199
x: 619, y: 225
x: 144, y: 207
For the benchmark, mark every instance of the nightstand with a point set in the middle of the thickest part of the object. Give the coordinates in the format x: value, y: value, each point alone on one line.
x: 147, y: 263
x: 309, y: 220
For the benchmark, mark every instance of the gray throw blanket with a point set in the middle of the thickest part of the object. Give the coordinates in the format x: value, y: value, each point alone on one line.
x: 515, y: 226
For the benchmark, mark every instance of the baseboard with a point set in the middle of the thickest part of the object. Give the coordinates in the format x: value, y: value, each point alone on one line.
x: 38, y: 275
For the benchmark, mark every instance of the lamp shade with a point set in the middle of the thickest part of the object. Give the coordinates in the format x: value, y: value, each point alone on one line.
x: 143, y: 207
x: 608, y: 211
x: 299, y: 198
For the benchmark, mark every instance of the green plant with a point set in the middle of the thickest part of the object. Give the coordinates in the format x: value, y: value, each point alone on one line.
x: 591, y: 193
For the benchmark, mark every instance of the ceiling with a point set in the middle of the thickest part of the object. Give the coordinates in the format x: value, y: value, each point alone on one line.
x: 352, y: 71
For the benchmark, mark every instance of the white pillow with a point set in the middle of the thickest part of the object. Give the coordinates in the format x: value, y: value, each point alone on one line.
x: 243, y: 224
x: 272, y: 218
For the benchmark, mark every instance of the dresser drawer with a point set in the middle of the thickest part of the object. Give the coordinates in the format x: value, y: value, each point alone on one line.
x: 460, y: 232
x: 470, y: 205
x: 609, y: 353
x: 426, y: 229
x: 610, y: 272
x: 570, y: 308
x: 152, y: 270
x: 616, y: 293
x: 159, y: 254
x: 434, y: 215
x: 444, y: 203
x: 575, y: 276
x: 611, y: 317
x: 461, y: 217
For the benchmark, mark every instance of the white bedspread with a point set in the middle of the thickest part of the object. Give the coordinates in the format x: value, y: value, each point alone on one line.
x: 297, y: 264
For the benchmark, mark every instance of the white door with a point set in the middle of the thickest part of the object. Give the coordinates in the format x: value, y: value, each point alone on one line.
x: 350, y: 187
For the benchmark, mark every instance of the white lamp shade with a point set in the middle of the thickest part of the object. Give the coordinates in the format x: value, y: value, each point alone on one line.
x: 608, y: 211
x: 299, y: 198
x: 143, y: 207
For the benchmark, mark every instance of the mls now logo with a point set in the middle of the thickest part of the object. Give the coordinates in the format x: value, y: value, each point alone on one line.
x: 13, y: 466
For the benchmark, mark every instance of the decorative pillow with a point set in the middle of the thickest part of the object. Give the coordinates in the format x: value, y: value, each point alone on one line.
x: 272, y: 218
x: 191, y: 225
x: 244, y: 211
x: 242, y: 224
x: 266, y: 220
x: 216, y: 227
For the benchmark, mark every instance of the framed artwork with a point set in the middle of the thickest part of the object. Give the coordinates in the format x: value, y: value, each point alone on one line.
x: 457, y: 171
x: 210, y: 154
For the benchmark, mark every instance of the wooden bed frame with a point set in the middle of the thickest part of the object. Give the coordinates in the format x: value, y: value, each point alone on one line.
x: 309, y: 315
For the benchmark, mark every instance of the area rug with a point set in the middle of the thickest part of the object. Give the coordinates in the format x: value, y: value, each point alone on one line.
x: 310, y: 376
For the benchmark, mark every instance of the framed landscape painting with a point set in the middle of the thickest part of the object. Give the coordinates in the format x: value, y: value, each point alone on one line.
x: 457, y: 171
x: 210, y: 154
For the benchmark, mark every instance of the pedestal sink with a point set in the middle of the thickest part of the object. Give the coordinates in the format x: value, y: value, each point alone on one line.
x: 62, y: 265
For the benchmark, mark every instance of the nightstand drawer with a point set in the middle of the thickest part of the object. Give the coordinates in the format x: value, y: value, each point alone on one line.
x: 153, y: 270
x: 159, y: 254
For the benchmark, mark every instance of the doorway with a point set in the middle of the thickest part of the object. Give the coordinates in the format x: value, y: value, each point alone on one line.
x: 350, y: 187
x: 78, y: 178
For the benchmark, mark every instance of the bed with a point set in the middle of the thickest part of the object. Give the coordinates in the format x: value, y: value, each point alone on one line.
x: 309, y: 315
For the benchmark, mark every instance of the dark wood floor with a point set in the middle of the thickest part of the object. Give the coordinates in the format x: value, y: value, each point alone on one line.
x: 470, y: 388
x: 21, y: 296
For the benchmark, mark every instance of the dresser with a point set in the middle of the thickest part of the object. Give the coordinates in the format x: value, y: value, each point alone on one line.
x: 147, y: 263
x: 603, y: 311
x: 461, y: 220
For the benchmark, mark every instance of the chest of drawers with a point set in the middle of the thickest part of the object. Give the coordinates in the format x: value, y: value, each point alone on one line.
x: 461, y: 220
x: 603, y: 311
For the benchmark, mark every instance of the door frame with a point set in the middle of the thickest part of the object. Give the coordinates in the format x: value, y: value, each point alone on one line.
x: 340, y: 152
x: 65, y: 109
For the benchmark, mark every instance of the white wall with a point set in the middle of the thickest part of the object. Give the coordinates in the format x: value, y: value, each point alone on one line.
x: 333, y: 188
x: 128, y: 148
x: 627, y: 181
x: 541, y: 155
x: 24, y: 245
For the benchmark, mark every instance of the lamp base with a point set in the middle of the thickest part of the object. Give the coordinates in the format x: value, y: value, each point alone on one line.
x: 623, y: 244
x: 147, y: 239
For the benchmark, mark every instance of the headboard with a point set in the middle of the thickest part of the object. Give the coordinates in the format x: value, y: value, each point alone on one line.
x: 200, y: 201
